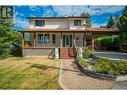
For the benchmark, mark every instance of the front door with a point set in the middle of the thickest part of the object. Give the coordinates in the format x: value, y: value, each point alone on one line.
x: 68, y: 41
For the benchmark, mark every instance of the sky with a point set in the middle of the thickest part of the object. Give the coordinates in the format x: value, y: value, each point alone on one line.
x: 99, y: 14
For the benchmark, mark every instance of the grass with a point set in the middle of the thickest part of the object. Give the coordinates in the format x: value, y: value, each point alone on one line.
x: 29, y: 73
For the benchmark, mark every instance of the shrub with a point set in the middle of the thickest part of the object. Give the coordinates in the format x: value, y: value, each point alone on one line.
x: 106, y: 42
x: 120, y: 67
x: 104, y: 66
x: 82, y: 62
x: 87, y: 54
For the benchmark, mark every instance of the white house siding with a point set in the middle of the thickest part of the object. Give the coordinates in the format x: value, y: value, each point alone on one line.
x: 55, y: 24
x: 79, y: 39
x: 51, y: 24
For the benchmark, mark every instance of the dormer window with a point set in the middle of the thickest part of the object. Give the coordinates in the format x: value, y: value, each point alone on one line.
x: 39, y: 23
x: 77, y: 22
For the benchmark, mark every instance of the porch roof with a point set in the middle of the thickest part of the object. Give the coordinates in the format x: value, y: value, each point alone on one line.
x: 89, y: 30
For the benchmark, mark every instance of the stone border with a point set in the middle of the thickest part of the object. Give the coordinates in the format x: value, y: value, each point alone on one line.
x: 99, y: 75
x: 94, y: 74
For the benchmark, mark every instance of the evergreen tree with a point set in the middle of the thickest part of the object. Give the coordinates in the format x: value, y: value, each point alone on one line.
x: 88, y: 21
x: 8, y: 36
x: 110, y: 22
x: 122, y: 25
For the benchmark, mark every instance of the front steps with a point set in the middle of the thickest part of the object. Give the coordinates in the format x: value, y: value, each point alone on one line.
x: 67, y: 53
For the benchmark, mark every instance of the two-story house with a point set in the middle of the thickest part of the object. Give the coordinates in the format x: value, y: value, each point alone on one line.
x: 65, y: 33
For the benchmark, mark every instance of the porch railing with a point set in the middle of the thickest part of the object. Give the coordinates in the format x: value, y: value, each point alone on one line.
x: 52, y: 54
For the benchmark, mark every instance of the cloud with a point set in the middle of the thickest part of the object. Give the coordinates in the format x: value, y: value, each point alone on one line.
x: 20, y: 23
x: 49, y: 11
x: 93, y: 10
x: 97, y: 25
x: 34, y: 8
x: 100, y: 14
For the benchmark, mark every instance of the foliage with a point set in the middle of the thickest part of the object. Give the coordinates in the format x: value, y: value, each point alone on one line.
x: 82, y: 62
x: 106, y: 42
x: 103, y: 66
x: 120, y: 67
x: 8, y: 36
x: 102, y: 26
x: 87, y: 54
x: 110, y: 23
x: 88, y: 20
x: 120, y: 22
x: 122, y: 25
x: 107, y: 66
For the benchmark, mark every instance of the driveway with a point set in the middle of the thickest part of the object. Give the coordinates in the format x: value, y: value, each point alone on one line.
x: 71, y: 78
x: 112, y: 55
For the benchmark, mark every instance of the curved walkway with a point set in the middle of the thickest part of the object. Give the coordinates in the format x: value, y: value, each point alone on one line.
x: 71, y: 78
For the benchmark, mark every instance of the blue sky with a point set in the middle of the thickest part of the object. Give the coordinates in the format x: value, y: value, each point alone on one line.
x: 99, y: 14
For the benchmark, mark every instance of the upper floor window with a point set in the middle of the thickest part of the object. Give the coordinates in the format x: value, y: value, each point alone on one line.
x: 77, y: 22
x: 39, y: 22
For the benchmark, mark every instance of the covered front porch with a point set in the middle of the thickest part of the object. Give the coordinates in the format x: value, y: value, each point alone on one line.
x: 43, y: 42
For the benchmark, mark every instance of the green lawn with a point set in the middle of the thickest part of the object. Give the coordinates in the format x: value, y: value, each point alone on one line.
x: 29, y: 73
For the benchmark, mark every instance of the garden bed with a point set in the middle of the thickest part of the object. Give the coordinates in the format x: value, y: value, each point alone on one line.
x: 94, y: 74
x: 102, y: 68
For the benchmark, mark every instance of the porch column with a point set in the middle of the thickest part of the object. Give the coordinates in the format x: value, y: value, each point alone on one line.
x: 34, y: 39
x: 92, y: 43
x: 84, y: 40
x: 22, y: 39
x: 61, y: 40
x: 73, y: 39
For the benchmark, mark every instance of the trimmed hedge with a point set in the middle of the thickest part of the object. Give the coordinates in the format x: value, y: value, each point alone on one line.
x: 82, y: 62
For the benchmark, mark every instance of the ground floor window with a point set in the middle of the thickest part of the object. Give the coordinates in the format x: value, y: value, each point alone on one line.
x: 43, y: 38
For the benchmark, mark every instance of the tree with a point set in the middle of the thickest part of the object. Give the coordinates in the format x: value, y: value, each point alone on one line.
x: 88, y: 20
x: 110, y: 23
x: 102, y: 26
x: 122, y: 25
x: 8, y: 36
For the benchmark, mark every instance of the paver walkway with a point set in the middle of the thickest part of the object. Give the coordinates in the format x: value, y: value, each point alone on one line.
x: 71, y: 78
